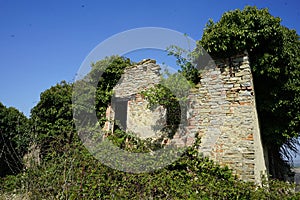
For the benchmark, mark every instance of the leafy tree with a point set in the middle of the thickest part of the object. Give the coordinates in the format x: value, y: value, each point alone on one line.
x: 52, y: 118
x: 274, y: 53
x: 14, y: 140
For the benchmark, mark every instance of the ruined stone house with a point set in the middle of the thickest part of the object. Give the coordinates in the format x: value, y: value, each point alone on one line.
x: 221, y: 109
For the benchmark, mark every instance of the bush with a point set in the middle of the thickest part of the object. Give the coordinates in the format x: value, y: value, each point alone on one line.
x: 78, y: 175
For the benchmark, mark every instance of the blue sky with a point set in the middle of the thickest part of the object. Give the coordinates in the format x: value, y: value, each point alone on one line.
x: 44, y: 42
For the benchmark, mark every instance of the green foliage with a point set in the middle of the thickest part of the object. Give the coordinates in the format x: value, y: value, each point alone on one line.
x: 274, y: 53
x: 52, y: 118
x: 130, y: 142
x: 172, y: 94
x: 185, y: 61
x: 106, y: 74
x: 14, y: 140
x: 161, y: 95
x: 78, y: 175
x: 236, y: 31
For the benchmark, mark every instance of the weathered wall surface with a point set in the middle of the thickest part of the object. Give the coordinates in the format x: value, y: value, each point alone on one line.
x: 144, y: 122
x: 140, y: 120
x: 137, y: 78
x: 221, y: 109
x: 223, y: 112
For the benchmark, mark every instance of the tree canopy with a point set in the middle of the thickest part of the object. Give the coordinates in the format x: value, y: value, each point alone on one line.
x: 52, y: 118
x: 14, y: 140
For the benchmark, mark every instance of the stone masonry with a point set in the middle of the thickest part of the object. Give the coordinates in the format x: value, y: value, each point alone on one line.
x: 139, y: 119
x: 223, y: 112
x: 221, y: 109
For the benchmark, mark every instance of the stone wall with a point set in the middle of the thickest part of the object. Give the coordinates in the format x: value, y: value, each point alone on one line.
x: 137, y: 78
x: 144, y: 122
x: 140, y: 120
x: 221, y: 109
x: 223, y: 112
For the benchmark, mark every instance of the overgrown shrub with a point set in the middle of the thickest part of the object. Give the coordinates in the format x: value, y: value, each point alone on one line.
x: 78, y: 175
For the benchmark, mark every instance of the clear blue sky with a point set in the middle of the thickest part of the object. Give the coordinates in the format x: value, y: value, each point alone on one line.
x: 44, y: 42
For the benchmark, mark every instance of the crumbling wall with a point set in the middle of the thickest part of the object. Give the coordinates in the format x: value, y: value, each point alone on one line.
x: 140, y: 120
x: 137, y: 78
x: 221, y: 109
